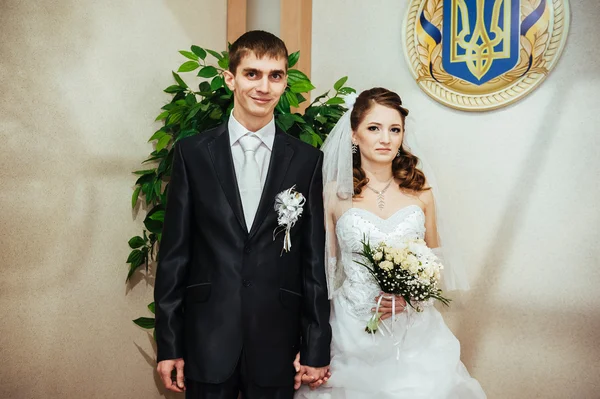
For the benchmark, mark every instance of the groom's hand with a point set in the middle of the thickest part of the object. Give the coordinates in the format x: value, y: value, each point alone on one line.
x: 165, y: 369
x: 315, y: 376
x: 304, y: 375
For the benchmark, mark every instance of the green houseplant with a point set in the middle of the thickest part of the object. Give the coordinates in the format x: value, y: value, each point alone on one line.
x: 194, y: 110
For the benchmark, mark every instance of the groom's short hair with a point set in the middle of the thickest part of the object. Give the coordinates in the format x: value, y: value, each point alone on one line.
x: 260, y: 43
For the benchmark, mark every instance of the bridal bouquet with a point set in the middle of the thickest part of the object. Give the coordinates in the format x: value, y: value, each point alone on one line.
x: 410, y: 270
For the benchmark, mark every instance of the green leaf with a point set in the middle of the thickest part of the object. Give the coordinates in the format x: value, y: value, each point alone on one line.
x: 174, y: 118
x: 134, y: 197
x: 144, y: 172
x: 300, y: 98
x: 335, y: 101
x: 136, y: 242
x: 346, y: 90
x: 189, y: 55
x: 224, y: 63
x: 190, y: 99
x: 307, y: 138
x: 157, y: 135
x: 291, y: 97
x: 295, y: 76
x: 179, y: 81
x: 148, y: 190
x: 285, y: 121
x: 187, y: 133
x: 156, y: 156
x: 162, y: 116
x: 208, y: 72
x: 321, y: 119
x: 298, y: 118
x: 216, y: 83
x: 162, y: 166
x: 204, y: 87
x: 157, y: 187
x: 216, y: 114
x: 145, y: 322
x: 340, y: 83
x: 144, y: 179
x: 283, y: 106
x: 154, y: 226
x: 293, y: 59
x: 199, y: 51
x: 163, y: 142
x: 160, y: 216
x: 193, y: 111
x: 173, y: 89
x: 301, y: 87
x: 135, y: 256
x: 215, y: 54
x: 188, y: 66
x: 152, y: 308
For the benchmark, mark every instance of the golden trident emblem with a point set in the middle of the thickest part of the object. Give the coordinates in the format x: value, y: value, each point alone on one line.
x: 480, y: 49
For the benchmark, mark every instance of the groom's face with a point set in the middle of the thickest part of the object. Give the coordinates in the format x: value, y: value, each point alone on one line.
x: 257, y: 84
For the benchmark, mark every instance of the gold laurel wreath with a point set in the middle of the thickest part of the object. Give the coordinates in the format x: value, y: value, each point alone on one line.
x: 543, y: 51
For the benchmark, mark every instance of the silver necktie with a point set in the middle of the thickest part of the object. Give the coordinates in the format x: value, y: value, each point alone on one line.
x: 249, y: 184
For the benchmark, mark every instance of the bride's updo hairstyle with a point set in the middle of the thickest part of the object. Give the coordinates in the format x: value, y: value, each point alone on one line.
x: 404, y: 167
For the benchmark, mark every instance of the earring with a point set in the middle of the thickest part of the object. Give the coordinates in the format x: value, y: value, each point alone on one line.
x: 354, y: 148
x: 399, y: 152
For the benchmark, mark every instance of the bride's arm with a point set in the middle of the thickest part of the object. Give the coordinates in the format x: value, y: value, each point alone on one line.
x: 431, y: 233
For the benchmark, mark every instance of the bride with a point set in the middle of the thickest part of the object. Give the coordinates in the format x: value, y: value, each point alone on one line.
x: 373, y: 188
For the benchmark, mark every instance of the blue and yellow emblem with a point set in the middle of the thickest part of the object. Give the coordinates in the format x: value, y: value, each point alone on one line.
x: 483, y: 54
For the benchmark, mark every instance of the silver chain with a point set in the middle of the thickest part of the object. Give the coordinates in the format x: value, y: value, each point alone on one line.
x: 380, y: 194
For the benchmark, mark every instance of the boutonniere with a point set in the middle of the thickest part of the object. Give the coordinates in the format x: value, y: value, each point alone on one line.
x: 288, y: 205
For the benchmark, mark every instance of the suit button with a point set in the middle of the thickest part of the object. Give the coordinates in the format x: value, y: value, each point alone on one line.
x: 246, y: 283
x: 247, y: 249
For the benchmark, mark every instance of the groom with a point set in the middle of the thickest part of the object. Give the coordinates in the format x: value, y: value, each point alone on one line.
x: 231, y: 304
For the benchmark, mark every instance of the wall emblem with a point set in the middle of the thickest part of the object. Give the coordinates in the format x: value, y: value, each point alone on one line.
x: 477, y: 55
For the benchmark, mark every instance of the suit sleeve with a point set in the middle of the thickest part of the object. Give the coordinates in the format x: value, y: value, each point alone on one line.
x: 316, y: 331
x: 173, y: 261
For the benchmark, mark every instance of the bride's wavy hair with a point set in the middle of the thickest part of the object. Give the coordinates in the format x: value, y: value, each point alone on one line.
x: 404, y: 167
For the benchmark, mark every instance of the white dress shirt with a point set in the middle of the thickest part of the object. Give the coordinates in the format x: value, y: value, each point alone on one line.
x: 263, y: 153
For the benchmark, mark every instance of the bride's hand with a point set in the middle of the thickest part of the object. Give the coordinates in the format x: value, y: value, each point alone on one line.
x: 385, y: 308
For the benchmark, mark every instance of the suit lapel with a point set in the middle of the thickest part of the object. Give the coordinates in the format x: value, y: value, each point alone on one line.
x: 220, y: 155
x: 280, y: 160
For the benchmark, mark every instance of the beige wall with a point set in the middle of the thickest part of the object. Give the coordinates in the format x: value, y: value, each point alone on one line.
x: 264, y: 15
x: 522, y: 195
x: 80, y: 84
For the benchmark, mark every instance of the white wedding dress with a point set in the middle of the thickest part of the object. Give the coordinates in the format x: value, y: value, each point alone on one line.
x: 418, y: 362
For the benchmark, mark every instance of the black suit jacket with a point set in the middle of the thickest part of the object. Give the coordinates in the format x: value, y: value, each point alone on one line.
x: 220, y: 288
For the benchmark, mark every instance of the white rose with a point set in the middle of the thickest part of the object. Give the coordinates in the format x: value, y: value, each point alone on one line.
x: 378, y: 256
x: 386, y: 265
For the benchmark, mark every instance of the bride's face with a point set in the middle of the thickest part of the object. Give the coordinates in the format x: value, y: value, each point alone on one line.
x: 379, y: 135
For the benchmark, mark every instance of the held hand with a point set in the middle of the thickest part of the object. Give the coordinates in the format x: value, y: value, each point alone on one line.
x: 299, y: 372
x: 386, y: 305
x: 165, y: 368
x: 309, y: 375
x: 315, y: 376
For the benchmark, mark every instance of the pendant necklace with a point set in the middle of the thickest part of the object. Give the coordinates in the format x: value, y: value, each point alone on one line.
x: 380, y: 194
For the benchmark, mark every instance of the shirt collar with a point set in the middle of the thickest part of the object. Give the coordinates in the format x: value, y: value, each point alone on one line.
x: 236, y: 130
